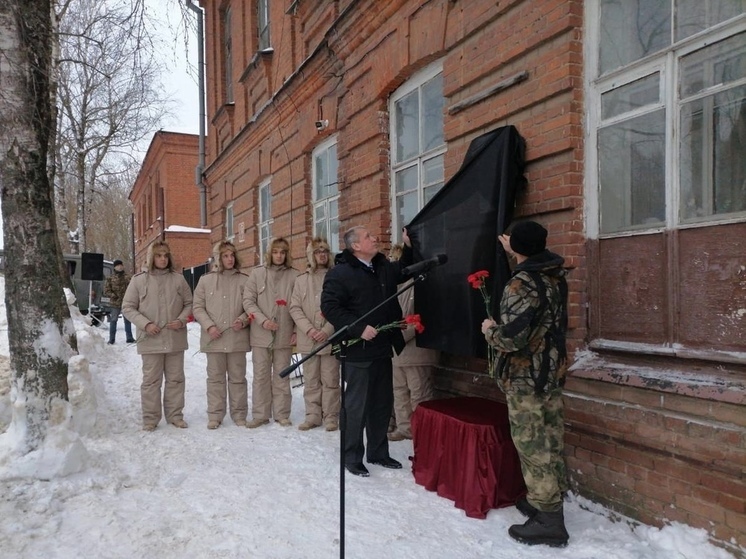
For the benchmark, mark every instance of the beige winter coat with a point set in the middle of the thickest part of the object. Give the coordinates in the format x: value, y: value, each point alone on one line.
x: 218, y: 301
x: 413, y: 355
x: 265, y: 287
x: 306, y: 312
x: 159, y: 297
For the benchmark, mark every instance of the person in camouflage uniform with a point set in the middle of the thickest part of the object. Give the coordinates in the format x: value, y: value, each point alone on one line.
x: 114, y: 288
x: 531, y: 372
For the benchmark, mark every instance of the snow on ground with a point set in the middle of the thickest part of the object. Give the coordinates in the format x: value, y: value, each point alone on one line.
x: 269, y: 493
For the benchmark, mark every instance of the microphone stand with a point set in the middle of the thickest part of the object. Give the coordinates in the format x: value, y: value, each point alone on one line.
x: 342, y: 337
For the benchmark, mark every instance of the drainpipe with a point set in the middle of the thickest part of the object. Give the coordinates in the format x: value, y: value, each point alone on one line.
x: 200, y: 170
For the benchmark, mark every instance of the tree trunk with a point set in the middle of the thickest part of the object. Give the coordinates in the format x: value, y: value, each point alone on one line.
x: 38, y: 317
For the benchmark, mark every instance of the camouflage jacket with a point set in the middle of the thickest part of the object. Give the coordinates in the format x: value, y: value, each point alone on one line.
x: 533, y: 321
x: 115, y: 287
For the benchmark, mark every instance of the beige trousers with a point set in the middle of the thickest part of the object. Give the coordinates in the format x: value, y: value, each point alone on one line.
x: 412, y: 385
x: 321, y: 389
x: 232, y: 365
x: 156, y: 367
x: 270, y: 394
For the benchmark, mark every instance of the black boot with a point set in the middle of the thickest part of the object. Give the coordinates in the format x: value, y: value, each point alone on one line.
x: 525, y: 508
x: 546, y: 528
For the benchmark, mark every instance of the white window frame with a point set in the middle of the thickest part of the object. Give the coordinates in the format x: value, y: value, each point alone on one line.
x: 416, y: 81
x: 229, y: 230
x: 326, y: 203
x: 264, y: 222
x: 667, y: 63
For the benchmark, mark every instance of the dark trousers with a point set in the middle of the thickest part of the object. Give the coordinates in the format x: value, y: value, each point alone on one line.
x: 369, y: 398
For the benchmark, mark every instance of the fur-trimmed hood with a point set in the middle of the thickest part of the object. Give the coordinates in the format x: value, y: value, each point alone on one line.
x: 278, y: 242
x: 315, y: 244
x: 221, y: 247
x: 158, y: 246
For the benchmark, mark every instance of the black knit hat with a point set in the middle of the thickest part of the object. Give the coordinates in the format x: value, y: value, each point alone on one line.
x: 118, y: 263
x: 528, y: 238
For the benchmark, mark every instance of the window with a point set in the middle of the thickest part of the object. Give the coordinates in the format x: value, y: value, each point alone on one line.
x: 665, y: 173
x: 326, y: 193
x: 227, y: 56
x: 417, y: 144
x: 262, y: 18
x: 265, y: 216
x: 671, y: 130
x: 229, y: 232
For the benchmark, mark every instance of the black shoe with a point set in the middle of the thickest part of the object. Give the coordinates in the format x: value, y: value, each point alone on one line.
x: 547, y: 528
x: 525, y: 508
x: 357, y: 469
x: 109, y: 343
x: 131, y: 341
x: 388, y: 462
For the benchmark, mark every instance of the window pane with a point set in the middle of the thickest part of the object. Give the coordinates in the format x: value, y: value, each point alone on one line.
x: 713, y: 167
x: 407, y: 126
x: 264, y: 203
x: 263, y: 23
x: 632, y: 168
x: 432, y: 113
x: 717, y: 64
x: 334, y: 224
x: 431, y: 191
x: 406, y: 208
x: 320, y: 212
x: 635, y: 95
x: 322, y: 176
x: 332, y: 173
x: 693, y: 16
x: 319, y: 229
x: 229, y: 222
x: 631, y: 30
x: 406, y: 179
x: 432, y: 169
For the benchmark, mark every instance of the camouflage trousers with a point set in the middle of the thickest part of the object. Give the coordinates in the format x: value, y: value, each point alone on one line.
x: 537, y: 427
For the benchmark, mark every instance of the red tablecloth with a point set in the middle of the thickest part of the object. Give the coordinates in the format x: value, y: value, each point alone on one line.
x: 463, y: 451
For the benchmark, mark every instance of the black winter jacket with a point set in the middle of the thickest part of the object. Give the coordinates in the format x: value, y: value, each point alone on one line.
x: 351, y: 289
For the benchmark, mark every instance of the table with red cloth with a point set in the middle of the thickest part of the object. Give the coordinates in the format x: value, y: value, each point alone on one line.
x: 463, y: 451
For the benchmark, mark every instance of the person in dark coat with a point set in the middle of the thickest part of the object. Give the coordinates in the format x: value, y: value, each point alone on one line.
x: 361, y: 279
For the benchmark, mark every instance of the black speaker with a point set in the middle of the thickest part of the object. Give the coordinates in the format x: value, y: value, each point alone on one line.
x: 91, y: 266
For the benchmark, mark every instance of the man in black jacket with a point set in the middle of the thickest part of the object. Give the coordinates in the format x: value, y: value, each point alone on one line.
x: 361, y: 279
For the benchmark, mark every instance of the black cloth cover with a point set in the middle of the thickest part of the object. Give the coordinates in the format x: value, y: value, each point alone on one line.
x: 463, y: 221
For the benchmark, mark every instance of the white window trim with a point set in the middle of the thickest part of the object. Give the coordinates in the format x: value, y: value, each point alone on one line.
x: 594, y: 86
x: 414, y: 82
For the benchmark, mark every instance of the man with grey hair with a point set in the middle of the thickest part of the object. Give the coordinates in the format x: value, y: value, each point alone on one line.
x: 360, y: 281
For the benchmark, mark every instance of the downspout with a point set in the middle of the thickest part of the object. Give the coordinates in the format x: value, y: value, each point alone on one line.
x: 200, y: 170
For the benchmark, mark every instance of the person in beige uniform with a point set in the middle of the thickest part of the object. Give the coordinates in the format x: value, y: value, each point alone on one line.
x: 218, y: 307
x: 320, y: 372
x: 413, y: 368
x: 273, y: 334
x: 159, y: 302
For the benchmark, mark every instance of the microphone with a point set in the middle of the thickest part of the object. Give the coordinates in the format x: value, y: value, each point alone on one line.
x: 425, y: 265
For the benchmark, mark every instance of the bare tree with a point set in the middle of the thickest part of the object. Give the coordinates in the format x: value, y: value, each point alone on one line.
x: 38, y: 317
x: 108, y: 102
x: 111, y: 233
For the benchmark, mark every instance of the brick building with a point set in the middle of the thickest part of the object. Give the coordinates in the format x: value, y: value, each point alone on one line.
x: 327, y: 114
x: 166, y: 203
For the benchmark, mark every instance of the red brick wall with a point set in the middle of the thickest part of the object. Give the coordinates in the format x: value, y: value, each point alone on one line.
x: 169, y: 165
x: 351, y: 62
